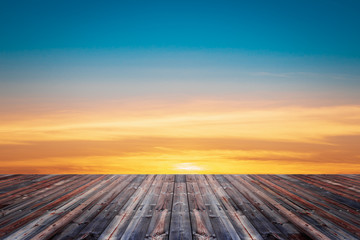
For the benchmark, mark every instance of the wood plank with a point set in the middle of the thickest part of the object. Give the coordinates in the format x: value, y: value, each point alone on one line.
x: 139, y: 223
x: 338, y: 201
x: 313, y: 211
x: 22, y: 221
x: 336, y: 208
x: 268, y: 210
x: 118, y: 225
x: 180, y: 227
x: 220, y: 222
x: 160, y: 222
x: 39, y: 199
x: 200, y: 207
x: 200, y: 221
x: 42, y: 193
x: 241, y: 223
x: 335, y: 189
x: 17, y: 182
x: 96, y: 202
x: 308, y: 215
x: 265, y: 227
x: 96, y: 227
x: 29, y: 191
x: 45, y: 222
x: 297, y: 221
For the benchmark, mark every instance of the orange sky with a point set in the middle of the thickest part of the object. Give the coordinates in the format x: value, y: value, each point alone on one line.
x: 193, y: 136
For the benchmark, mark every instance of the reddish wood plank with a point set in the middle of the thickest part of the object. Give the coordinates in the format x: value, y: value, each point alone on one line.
x: 23, y: 221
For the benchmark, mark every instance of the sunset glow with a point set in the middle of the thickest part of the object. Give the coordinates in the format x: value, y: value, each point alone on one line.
x: 179, y: 87
x: 195, y: 137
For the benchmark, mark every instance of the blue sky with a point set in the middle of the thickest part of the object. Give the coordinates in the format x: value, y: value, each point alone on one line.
x: 293, y: 27
x: 267, y: 45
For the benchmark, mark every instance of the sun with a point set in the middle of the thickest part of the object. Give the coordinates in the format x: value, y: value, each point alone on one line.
x: 181, y: 167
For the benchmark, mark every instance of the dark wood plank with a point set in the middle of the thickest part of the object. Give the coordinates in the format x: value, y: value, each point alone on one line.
x: 19, y: 222
x: 89, y: 211
x: 319, y: 211
x: 50, y: 219
x: 117, y: 226
x: 96, y: 202
x: 268, y: 210
x: 96, y: 227
x: 265, y: 227
x: 289, y: 215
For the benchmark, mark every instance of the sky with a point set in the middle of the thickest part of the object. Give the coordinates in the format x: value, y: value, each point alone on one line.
x: 180, y: 86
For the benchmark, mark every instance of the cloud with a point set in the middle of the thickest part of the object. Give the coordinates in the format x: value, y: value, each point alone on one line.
x: 223, y: 120
x: 166, y: 155
x: 156, y: 136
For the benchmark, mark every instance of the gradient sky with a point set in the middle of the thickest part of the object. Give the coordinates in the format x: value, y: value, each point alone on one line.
x: 180, y: 86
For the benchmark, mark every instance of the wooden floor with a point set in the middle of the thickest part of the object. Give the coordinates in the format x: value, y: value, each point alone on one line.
x: 179, y: 207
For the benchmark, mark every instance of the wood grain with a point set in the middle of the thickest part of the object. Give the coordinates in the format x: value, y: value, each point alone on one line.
x: 179, y: 207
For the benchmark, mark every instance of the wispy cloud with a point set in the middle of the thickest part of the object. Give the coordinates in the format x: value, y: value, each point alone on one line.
x: 197, y: 132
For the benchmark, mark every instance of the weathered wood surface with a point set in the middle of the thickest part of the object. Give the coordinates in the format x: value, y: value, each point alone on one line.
x: 179, y: 207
